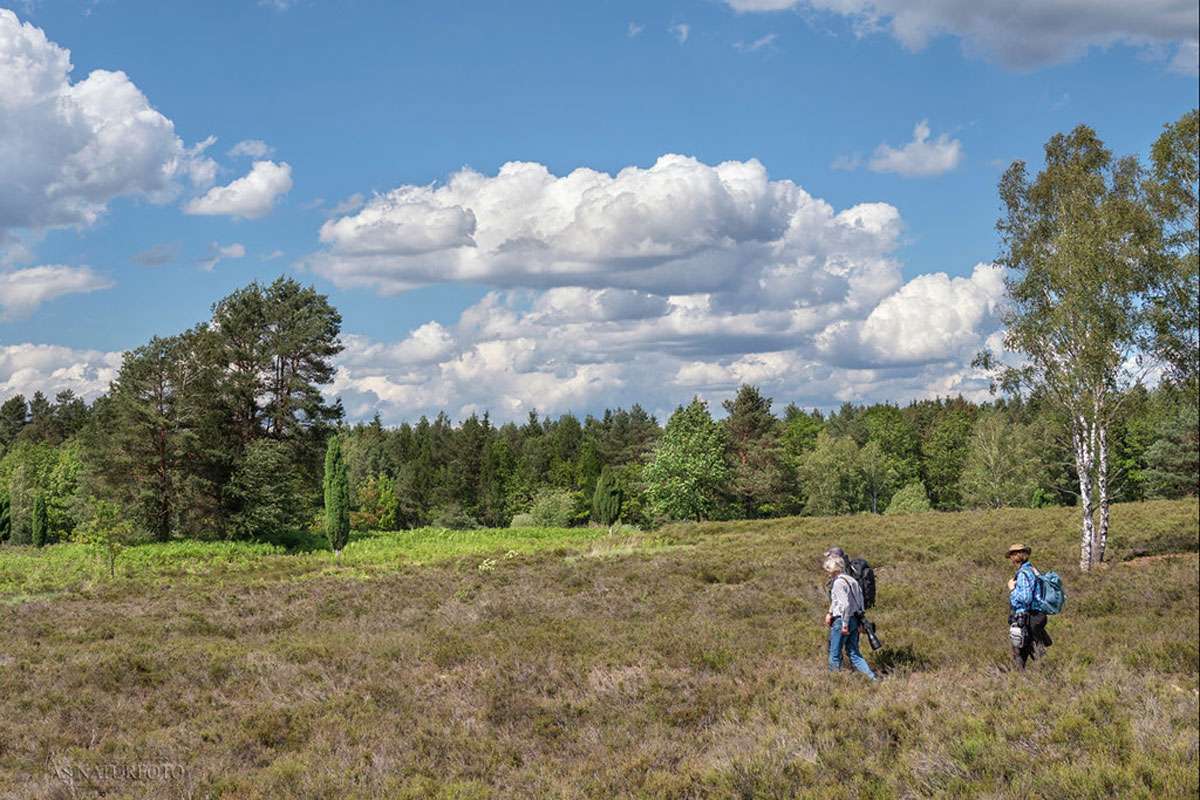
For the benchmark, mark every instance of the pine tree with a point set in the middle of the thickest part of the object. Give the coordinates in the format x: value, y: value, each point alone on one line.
x: 758, y: 477
x: 41, y: 521
x: 14, y: 416
x: 606, y: 502
x: 337, y: 496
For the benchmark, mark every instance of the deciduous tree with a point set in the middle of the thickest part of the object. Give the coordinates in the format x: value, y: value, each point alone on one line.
x: 688, y: 471
x: 1081, y: 249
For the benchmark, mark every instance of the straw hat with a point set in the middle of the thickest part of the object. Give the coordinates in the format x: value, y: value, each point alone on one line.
x: 1018, y: 548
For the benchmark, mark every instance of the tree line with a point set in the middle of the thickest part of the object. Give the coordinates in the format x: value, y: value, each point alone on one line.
x: 153, y: 452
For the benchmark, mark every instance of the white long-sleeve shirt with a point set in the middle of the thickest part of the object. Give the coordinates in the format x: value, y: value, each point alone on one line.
x: 845, y: 597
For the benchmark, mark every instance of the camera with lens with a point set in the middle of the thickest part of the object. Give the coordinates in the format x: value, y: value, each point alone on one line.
x: 869, y: 629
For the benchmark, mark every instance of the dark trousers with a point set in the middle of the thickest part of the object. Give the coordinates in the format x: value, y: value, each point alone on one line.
x: 1036, y: 639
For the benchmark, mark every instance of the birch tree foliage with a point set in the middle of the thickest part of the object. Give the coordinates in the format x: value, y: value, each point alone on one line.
x: 1083, y: 252
x: 1175, y: 307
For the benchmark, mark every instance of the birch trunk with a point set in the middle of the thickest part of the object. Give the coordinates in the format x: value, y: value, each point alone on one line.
x: 1102, y: 494
x: 1083, y: 465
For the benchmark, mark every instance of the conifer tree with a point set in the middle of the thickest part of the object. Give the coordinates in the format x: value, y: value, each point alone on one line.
x: 337, y: 496
x: 606, y: 502
x: 40, y: 521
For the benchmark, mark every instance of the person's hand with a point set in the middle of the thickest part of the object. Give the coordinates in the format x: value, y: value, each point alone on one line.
x: 828, y: 620
x: 845, y: 630
x: 1012, y: 584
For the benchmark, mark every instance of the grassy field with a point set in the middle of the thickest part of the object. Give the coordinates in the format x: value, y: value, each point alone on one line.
x: 560, y: 664
x: 27, y: 571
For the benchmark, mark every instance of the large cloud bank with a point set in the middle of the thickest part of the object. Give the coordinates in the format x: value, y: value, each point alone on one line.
x: 28, y: 368
x: 647, y: 286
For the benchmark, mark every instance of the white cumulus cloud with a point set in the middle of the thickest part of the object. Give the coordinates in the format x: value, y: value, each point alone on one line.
x: 249, y: 197
x: 575, y: 349
x: 71, y: 148
x: 932, y: 318
x: 920, y: 158
x: 678, y: 227
x: 23, y: 290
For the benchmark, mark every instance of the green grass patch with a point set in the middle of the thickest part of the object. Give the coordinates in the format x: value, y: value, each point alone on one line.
x: 58, y: 567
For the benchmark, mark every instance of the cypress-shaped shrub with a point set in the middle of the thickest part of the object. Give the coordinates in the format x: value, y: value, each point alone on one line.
x: 5, y: 519
x: 337, y: 496
x: 606, y: 502
x: 41, y: 521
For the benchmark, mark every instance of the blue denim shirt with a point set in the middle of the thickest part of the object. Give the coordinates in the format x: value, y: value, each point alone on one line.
x: 1021, y: 597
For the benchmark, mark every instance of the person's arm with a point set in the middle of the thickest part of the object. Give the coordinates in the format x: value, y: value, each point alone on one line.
x: 1021, y: 596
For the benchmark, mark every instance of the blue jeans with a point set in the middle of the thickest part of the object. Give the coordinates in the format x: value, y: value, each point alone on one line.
x: 838, y: 640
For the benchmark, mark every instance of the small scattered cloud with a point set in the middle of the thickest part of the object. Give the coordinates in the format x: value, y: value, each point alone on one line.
x: 634, y: 29
x: 757, y: 44
x: 352, y: 203
x: 201, y: 169
x: 158, y: 255
x: 248, y: 197
x: 253, y: 148
x: 218, y: 252
x: 743, y: 6
x: 920, y: 158
x: 846, y: 163
x: 271, y: 256
x: 22, y: 291
x: 681, y: 32
x: 1187, y: 59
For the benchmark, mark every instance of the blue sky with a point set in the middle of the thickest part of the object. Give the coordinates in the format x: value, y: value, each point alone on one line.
x: 652, y: 304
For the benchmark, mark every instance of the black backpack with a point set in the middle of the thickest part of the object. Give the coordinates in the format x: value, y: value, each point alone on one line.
x: 861, y: 571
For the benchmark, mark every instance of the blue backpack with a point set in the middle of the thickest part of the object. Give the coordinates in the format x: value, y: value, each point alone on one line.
x: 1048, y: 594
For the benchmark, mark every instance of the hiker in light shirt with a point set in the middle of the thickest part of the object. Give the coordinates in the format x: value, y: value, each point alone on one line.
x: 845, y: 609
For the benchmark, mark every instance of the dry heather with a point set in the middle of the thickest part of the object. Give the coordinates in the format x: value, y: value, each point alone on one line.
x: 694, y: 669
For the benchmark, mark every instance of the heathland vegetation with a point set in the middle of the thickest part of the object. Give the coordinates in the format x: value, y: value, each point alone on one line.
x: 578, y: 663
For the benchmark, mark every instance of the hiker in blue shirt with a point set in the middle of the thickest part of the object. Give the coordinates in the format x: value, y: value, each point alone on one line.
x: 1026, y: 626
